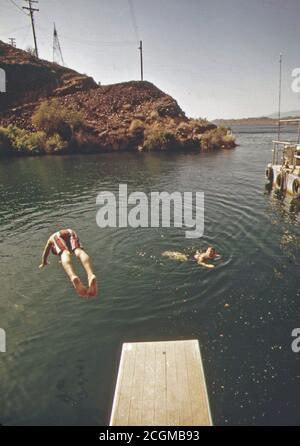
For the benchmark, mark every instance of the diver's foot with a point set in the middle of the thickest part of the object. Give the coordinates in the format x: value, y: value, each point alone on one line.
x: 82, y: 291
x: 92, y: 291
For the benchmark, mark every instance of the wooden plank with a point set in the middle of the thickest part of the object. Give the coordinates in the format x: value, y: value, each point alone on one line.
x: 135, y: 413
x: 184, y: 399
x: 121, y: 407
x: 199, y: 398
x: 161, y: 383
x: 173, y: 412
x: 148, y: 404
x: 160, y: 408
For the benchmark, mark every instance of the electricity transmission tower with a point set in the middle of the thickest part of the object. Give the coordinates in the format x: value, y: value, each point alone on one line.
x: 31, y: 11
x: 57, y: 53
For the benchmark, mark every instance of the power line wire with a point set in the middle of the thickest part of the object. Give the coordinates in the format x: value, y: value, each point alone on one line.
x: 16, y: 29
x: 26, y: 35
x: 17, y: 6
x: 93, y: 42
x: 96, y: 43
x: 136, y: 30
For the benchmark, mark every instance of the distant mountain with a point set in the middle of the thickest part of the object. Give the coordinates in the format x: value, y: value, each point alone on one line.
x: 288, y: 114
x: 245, y: 121
x: 260, y: 120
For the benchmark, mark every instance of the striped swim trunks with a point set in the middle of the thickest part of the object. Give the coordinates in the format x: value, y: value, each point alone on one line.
x: 65, y: 240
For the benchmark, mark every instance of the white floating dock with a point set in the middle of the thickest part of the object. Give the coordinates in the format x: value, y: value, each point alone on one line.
x: 161, y: 384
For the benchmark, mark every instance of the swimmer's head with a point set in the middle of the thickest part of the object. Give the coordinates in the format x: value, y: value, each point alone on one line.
x: 211, y: 251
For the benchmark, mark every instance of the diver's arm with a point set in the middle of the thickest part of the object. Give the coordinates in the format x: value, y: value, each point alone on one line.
x: 46, y: 254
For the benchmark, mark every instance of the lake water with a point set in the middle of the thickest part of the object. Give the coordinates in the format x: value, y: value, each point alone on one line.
x: 63, y: 352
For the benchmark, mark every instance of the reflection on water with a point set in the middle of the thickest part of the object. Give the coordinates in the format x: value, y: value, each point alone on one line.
x: 63, y: 352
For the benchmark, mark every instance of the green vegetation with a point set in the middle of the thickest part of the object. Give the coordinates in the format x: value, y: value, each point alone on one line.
x: 55, y: 144
x: 57, y: 129
x: 60, y: 129
x: 219, y: 138
x: 136, y: 127
x: 194, y: 134
x: 53, y: 118
x: 201, y: 125
x: 160, y: 139
x: 16, y: 141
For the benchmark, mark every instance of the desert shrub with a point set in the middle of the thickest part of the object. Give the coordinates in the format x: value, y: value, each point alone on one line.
x: 199, y: 121
x: 154, y: 115
x: 229, y: 140
x: 14, y: 141
x: 53, y: 118
x: 5, y: 142
x: 184, y: 129
x: 201, y: 125
x: 136, y: 127
x: 32, y: 143
x: 76, y: 119
x: 160, y: 139
x: 55, y: 144
x: 219, y: 138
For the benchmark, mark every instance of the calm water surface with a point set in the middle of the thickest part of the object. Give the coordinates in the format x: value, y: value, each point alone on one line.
x: 63, y: 351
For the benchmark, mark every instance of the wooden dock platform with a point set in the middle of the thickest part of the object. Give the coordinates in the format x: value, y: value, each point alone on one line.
x: 161, y: 384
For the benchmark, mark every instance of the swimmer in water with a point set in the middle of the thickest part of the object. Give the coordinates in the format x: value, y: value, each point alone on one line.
x: 64, y: 243
x: 202, y: 258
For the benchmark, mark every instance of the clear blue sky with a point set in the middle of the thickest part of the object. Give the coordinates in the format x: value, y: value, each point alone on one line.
x: 218, y: 58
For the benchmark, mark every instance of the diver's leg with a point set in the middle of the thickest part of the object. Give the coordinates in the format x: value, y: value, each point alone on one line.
x: 85, y: 260
x: 87, y: 265
x: 68, y: 267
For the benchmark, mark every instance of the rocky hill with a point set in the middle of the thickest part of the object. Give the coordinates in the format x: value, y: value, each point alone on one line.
x: 116, y: 117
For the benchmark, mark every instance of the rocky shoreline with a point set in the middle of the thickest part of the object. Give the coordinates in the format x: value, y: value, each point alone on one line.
x: 127, y: 116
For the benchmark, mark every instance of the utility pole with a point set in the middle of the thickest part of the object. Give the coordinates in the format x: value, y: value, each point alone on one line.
x: 12, y: 41
x: 279, y: 99
x: 141, y: 54
x: 31, y: 11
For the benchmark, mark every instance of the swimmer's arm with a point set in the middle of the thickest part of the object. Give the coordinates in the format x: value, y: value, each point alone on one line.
x: 206, y: 265
x: 46, y: 254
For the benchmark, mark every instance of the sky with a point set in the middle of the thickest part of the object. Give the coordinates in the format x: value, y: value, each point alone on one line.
x: 217, y: 58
